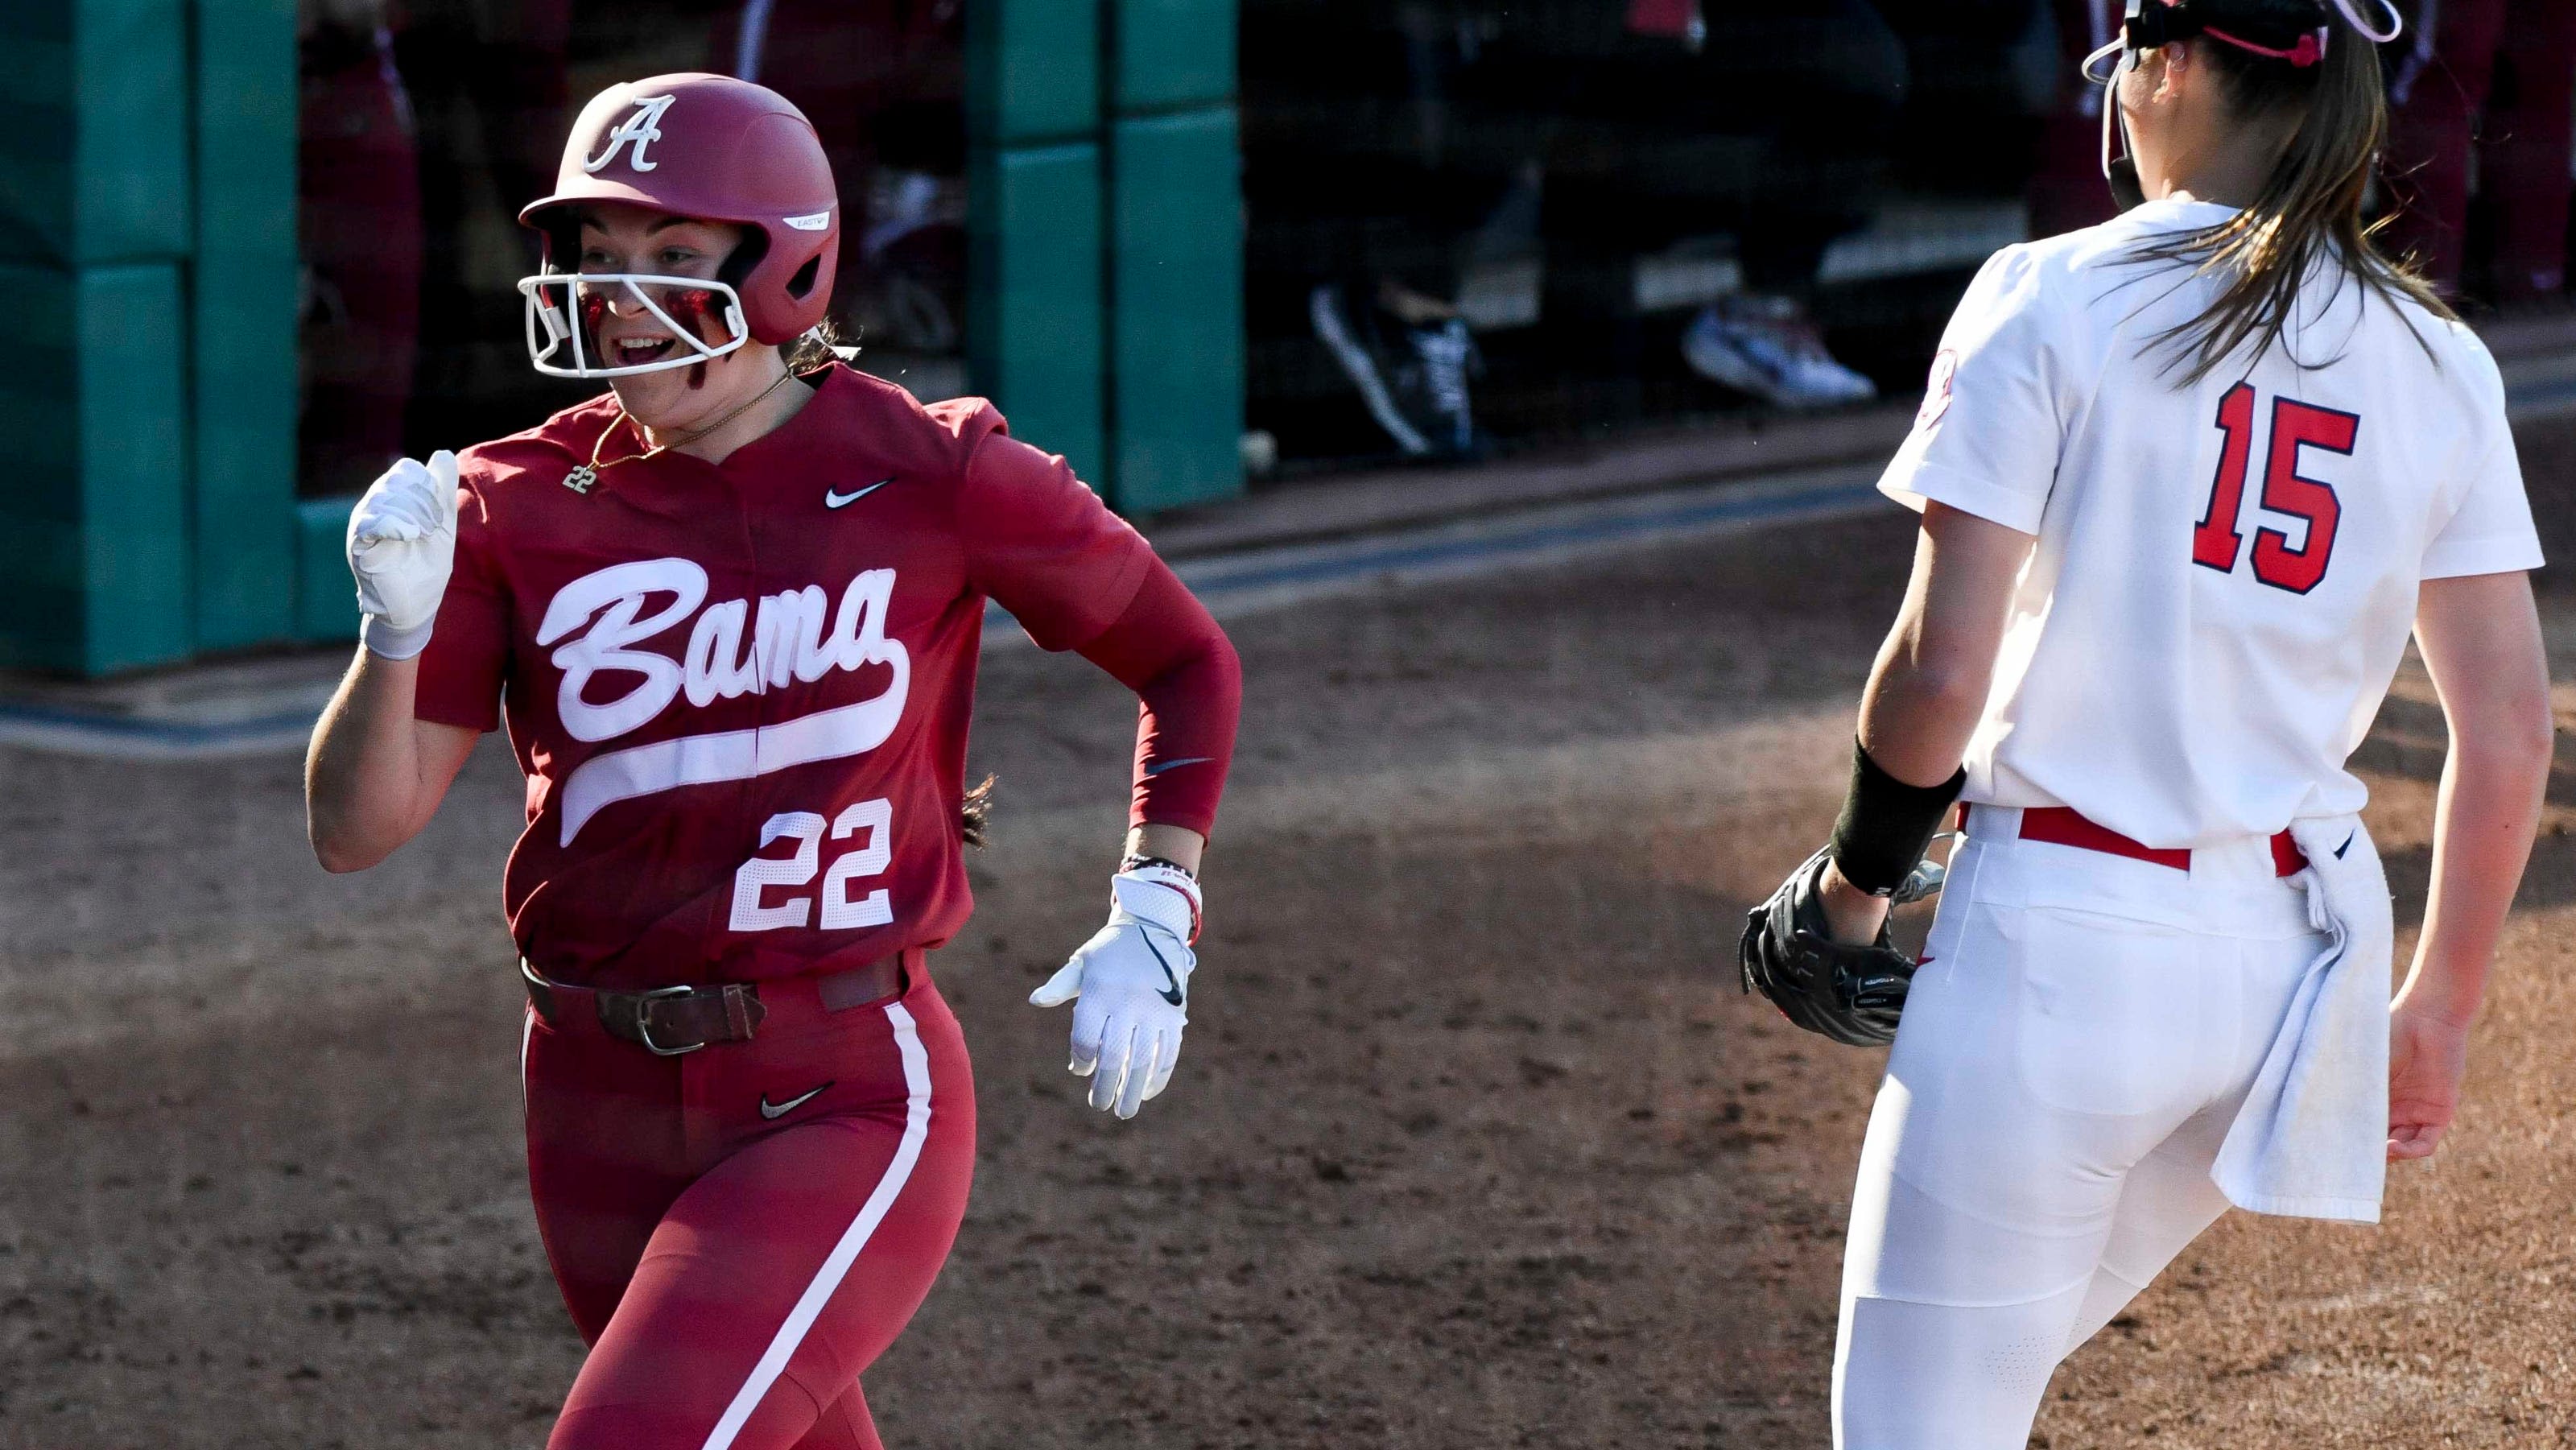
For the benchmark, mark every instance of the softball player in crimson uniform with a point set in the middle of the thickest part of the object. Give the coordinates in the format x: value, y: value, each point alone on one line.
x: 2188, y: 480
x: 730, y: 613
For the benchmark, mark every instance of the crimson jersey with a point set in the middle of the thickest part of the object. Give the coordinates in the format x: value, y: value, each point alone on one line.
x: 740, y: 690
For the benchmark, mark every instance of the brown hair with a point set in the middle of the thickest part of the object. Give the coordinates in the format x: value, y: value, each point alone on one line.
x: 815, y: 349
x: 975, y: 813
x: 2311, y: 208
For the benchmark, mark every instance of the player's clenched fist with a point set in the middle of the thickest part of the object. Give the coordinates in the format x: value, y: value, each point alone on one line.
x: 1130, y: 987
x: 402, y: 541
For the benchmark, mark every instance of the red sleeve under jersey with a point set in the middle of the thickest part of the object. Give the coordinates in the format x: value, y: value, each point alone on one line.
x: 469, y: 648
x: 1166, y: 648
x: 1075, y: 576
x: 1042, y: 545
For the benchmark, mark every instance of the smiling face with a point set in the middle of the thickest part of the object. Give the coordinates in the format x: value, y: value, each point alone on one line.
x: 622, y: 238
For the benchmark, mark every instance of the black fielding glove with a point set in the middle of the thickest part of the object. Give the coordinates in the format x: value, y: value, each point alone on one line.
x: 1851, y: 994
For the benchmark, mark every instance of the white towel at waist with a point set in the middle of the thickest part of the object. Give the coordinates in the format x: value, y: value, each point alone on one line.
x: 2312, y: 1138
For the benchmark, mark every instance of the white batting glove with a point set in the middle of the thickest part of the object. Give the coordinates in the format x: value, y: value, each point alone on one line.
x: 1132, y: 980
x: 402, y: 543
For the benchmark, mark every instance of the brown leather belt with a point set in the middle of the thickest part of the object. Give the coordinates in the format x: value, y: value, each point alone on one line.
x: 671, y: 1021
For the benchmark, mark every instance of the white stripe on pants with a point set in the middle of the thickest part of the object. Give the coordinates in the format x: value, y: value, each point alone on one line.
x: 809, y: 1305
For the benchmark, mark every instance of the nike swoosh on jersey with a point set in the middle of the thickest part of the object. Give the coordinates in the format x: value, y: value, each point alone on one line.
x: 833, y: 499
x: 1159, y: 766
x: 774, y: 1111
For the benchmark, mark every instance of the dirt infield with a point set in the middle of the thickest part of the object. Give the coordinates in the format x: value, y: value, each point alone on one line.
x: 1474, y: 1144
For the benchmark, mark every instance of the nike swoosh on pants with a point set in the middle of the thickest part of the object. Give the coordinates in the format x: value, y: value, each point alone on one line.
x: 1158, y: 767
x: 774, y: 1111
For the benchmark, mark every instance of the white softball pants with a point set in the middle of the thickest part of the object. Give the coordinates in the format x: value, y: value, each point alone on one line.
x: 2073, y: 1050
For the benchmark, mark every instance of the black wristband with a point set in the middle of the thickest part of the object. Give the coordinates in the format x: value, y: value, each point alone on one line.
x: 1886, y: 825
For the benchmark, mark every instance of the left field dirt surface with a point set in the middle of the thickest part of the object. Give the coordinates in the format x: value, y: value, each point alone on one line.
x: 1474, y: 1142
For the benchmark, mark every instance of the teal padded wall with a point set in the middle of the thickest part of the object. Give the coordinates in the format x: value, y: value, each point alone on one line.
x: 1104, y: 238
x: 245, y: 111
x: 242, y: 391
x: 326, y: 597
x: 1176, y: 310
x: 1033, y: 312
x: 1033, y: 318
x: 1032, y: 70
x: 1166, y: 54
x: 243, y: 347
x: 93, y: 131
x: 93, y: 514
x: 147, y: 195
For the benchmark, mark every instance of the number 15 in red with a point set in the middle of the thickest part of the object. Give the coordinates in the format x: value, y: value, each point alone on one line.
x: 2216, y: 542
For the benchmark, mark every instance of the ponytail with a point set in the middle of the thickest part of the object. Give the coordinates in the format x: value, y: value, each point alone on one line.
x: 819, y: 346
x: 2310, y: 213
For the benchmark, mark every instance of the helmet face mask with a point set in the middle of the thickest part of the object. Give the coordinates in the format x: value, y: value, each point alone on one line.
x: 563, y: 310
x: 704, y: 147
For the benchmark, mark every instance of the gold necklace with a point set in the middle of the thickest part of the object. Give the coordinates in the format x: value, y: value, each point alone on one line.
x: 584, y: 475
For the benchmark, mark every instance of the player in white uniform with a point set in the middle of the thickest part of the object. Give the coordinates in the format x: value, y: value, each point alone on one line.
x: 2188, y: 479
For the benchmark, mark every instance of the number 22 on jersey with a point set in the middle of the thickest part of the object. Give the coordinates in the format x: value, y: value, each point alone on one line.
x: 871, y: 820
x: 2217, y: 542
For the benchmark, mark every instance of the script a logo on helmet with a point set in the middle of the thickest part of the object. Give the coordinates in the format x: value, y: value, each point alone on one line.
x: 643, y: 127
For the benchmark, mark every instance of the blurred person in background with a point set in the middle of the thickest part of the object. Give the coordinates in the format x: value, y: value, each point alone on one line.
x: 1368, y: 189
x: 2493, y: 76
x: 2066, y: 191
x: 1671, y: 118
x: 359, y: 228
x: 487, y: 82
x: 1389, y: 151
x: 884, y: 83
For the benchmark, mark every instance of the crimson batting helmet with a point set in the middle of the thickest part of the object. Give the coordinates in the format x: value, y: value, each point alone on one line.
x: 703, y: 146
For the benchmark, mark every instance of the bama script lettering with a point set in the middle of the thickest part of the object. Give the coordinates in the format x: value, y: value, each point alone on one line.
x: 597, y: 621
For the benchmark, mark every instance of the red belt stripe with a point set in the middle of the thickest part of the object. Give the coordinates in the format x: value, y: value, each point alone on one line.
x: 2062, y: 826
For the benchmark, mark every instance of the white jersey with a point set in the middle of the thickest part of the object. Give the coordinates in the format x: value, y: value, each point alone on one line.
x: 2226, y: 571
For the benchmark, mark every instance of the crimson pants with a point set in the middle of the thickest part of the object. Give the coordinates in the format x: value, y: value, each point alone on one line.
x: 740, y: 1231
x: 2446, y: 99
